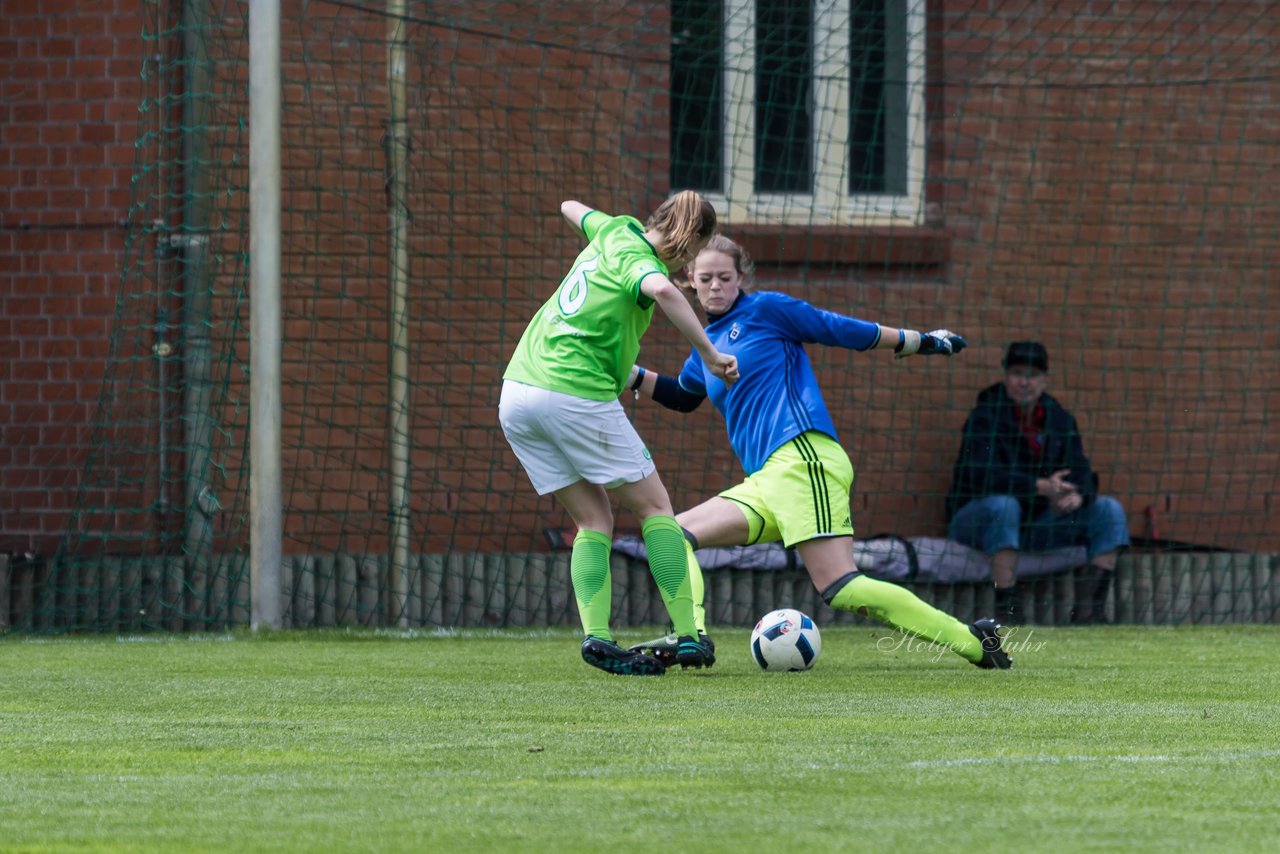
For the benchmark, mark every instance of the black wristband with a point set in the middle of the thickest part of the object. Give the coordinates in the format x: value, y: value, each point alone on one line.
x: 635, y: 386
x: 902, y: 341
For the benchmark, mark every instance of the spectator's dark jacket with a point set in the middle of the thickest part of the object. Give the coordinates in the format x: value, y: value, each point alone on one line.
x: 995, y: 459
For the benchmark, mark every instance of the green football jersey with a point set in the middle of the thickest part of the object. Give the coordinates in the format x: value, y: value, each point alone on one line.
x: 584, y: 340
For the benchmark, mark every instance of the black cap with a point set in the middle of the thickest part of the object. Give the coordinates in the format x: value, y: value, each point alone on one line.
x: 1030, y: 353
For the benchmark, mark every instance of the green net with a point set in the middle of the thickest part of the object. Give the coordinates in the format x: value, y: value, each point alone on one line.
x: 1098, y: 176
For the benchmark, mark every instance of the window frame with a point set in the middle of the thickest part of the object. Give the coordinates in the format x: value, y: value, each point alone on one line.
x: 831, y: 203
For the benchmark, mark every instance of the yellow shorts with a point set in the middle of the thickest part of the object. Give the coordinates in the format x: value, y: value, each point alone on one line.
x: 801, y: 493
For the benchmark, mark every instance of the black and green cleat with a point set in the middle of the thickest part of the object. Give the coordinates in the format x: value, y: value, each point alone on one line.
x: 987, y: 631
x: 695, y: 652
x: 667, y: 650
x: 610, y: 657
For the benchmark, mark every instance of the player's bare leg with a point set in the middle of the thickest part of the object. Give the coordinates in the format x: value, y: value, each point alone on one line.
x: 716, y: 522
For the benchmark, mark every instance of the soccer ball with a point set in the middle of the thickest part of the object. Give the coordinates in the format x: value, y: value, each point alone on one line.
x: 785, y: 639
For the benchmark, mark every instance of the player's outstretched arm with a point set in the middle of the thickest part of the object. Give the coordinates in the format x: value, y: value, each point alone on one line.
x: 573, y: 212
x: 663, y: 389
x: 909, y: 342
x: 674, y: 305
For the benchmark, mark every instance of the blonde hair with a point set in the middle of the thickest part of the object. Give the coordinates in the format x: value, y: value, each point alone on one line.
x: 741, y: 260
x: 684, y: 220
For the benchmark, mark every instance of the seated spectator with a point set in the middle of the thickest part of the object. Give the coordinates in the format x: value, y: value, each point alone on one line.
x: 1022, y: 482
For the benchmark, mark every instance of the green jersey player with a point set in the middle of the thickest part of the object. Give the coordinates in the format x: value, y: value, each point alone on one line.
x: 560, y: 413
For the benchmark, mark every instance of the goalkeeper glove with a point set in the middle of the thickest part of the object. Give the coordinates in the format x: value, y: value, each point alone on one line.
x: 939, y: 341
x: 942, y: 341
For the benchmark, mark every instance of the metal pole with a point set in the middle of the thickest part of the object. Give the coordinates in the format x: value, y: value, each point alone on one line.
x: 265, y: 529
x: 398, y: 332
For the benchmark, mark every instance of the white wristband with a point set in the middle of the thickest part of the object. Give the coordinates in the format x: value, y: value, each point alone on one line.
x: 910, y: 342
x: 631, y: 377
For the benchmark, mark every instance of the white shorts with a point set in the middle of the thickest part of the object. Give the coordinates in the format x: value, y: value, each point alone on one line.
x: 561, y: 439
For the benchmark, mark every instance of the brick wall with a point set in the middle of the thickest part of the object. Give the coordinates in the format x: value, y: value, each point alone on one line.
x: 69, y: 94
x: 1129, y: 225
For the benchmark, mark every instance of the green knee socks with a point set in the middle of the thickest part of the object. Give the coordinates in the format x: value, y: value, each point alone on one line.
x: 669, y: 563
x: 589, y: 571
x: 900, y: 608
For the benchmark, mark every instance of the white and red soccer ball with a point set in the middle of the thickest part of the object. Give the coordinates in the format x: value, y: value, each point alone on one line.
x: 785, y: 640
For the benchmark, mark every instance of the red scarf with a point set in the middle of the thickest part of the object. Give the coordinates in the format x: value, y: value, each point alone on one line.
x: 1032, y: 429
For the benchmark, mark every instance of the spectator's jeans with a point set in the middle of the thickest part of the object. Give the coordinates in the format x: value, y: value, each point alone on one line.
x: 994, y: 522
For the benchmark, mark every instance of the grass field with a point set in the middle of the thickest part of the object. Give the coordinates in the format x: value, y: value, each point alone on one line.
x: 1131, y: 739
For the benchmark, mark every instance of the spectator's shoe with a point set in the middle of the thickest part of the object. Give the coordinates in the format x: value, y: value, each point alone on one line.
x: 666, y: 648
x: 1009, y: 607
x: 695, y: 652
x: 987, y: 631
x: 1011, y: 615
x: 1093, y: 585
x: 1083, y: 615
x: 610, y: 657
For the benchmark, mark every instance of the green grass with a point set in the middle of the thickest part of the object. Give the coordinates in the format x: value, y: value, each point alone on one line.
x: 1101, y: 739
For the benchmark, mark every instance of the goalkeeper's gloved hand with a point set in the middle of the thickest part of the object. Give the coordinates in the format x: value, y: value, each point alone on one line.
x: 942, y: 341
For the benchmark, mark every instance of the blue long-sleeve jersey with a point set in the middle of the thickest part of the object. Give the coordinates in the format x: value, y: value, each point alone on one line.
x: 777, y: 397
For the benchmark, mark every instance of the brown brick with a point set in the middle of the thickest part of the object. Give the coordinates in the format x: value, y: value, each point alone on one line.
x: 1110, y: 220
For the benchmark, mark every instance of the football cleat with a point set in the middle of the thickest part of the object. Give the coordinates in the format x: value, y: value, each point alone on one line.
x: 610, y: 657
x: 668, y: 641
x: 667, y: 648
x: 987, y: 631
x: 695, y: 652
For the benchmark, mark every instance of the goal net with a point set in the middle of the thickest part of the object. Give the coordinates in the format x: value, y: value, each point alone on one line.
x: 1100, y: 177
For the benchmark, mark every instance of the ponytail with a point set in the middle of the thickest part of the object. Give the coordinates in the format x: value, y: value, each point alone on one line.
x: 684, y: 220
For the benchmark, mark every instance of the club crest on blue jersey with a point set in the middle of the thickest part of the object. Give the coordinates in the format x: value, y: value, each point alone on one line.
x: 733, y: 331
